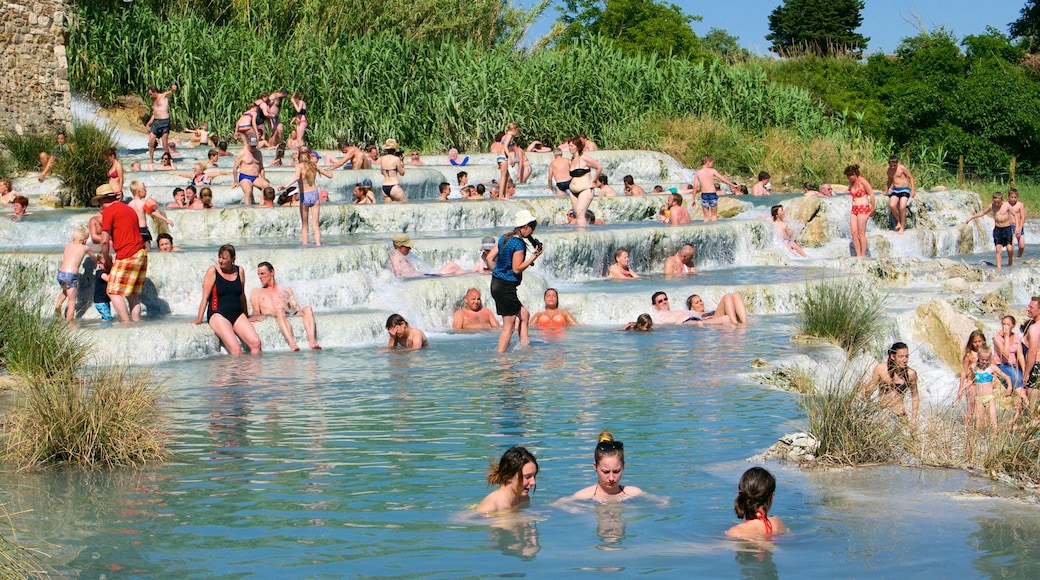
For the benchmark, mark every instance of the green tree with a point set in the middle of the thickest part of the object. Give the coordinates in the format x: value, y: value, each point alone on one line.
x: 1027, y: 27
x: 993, y: 44
x: 724, y: 45
x: 817, y: 26
x: 632, y: 26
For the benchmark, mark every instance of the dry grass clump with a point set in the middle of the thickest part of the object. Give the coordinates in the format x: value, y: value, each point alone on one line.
x: 18, y: 561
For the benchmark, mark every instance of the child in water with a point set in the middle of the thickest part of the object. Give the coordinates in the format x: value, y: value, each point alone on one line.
x: 68, y: 274
x: 983, y: 373
x: 516, y: 475
x: 102, y: 302
x: 754, y: 498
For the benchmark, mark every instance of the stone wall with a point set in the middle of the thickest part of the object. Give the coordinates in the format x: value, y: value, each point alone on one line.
x: 34, y: 85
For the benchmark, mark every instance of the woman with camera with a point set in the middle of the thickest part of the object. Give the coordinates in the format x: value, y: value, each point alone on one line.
x: 508, y: 260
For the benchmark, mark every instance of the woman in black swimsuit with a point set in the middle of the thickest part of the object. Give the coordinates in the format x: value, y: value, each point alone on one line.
x: 610, y: 466
x: 224, y: 302
x: 582, y: 179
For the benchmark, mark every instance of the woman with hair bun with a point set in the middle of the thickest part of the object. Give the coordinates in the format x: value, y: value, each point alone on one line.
x: 754, y: 498
x: 609, y: 462
x: 515, y: 474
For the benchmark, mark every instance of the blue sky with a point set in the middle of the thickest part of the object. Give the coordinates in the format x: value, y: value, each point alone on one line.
x: 885, y: 22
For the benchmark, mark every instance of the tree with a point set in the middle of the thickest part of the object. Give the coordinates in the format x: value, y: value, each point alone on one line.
x: 724, y: 45
x: 1027, y: 27
x: 633, y: 26
x: 818, y: 26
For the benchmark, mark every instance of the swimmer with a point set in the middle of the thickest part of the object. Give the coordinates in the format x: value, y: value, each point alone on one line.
x: 603, y: 187
x: 630, y: 186
x: 784, y: 232
x: 619, y: 270
x: 970, y: 356
x: 402, y: 268
x: 516, y: 476
x: 553, y: 316
x: 900, y: 188
x: 731, y: 309
x: 474, y: 315
x: 663, y: 313
x: 609, y: 463
x: 559, y: 173
x: 681, y: 263
x: 892, y: 379
x: 762, y: 186
x: 754, y: 498
x: 643, y: 323
x: 404, y: 336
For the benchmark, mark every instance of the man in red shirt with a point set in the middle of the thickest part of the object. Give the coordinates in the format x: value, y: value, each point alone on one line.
x: 120, y: 232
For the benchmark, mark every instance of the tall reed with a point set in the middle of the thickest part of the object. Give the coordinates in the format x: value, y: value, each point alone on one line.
x: 84, y: 168
x: 25, y: 149
x: 846, y: 312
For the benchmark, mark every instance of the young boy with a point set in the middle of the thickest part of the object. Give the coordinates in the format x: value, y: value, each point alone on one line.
x: 102, y: 302
x: 68, y: 274
x: 1003, y: 225
x: 704, y: 181
x: 1018, y: 214
x: 145, y: 206
x: 445, y: 191
x: 404, y: 336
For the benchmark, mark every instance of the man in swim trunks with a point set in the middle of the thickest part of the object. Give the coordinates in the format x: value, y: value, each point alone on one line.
x: 474, y: 315
x: 1030, y: 348
x: 47, y: 161
x: 1018, y: 214
x: 280, y: 302
x: 704, y: 181
x: 553, y: 316
x: 119, y: 231
x: 681, y: 263
x: 892, y: 379
x: 274, y: 109
x: 353, y: 157
x: 159, y: 123
x: 249, y: 170
x: 559, y: 173
x: 900, y: 189
x: 1003, y: 226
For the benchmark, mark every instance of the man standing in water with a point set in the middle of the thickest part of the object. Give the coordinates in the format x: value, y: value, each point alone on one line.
x: 1018, y: 214
x: 892, y: 379
x: 1031, y: 347
x: 249, y: 170
x: 159, y: 123
x: 559, y: 173
x: 280, y: 302
x: 1003, y: 226
x: 704, y: 181
x: 900, y: 189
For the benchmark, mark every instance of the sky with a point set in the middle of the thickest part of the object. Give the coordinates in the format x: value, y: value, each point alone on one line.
x: 885, y: 22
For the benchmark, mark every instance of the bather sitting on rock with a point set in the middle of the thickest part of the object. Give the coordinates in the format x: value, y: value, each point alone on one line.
x: 784, y: 231
x: 474, y: 315
x: 402, y: 268
x: 731, y: 309
x: 280, y: 302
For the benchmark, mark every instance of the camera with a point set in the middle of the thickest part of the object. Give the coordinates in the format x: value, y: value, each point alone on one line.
x: 535, y: 243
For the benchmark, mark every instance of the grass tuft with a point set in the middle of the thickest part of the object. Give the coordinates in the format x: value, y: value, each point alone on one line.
x: 25, y: 149
x: 82, y: 170
x: 846, y: 312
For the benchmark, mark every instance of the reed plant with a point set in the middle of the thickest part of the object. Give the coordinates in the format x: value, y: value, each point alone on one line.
x: 25, y: 149
x: 84, y: 168
x: 18, y: 561
x: 852, y: 429
x: 846, y: 312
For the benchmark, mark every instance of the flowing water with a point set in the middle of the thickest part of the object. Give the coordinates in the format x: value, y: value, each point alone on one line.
x: 353, y: 461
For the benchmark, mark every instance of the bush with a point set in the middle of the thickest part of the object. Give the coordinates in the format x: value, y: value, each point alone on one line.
x: 25, y: 149
x: 846, y: 312
x: 852, y: 429
x: 84, y: 168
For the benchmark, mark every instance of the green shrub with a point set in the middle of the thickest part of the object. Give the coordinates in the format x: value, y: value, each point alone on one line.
x: 847, y: 312
x: 84, y: 168
x: 852, y: 429
x: 25, y: 149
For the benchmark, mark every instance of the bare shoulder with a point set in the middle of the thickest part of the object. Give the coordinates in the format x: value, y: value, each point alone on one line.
x: 586, y: 493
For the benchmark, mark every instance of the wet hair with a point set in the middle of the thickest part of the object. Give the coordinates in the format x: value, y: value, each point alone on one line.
x: 192, y: 188
x: 153, y: 89
x: 807, y: 185
x: 510, y: 465
x: 653, y: 298
x: 177, y: 190
x: 706, y: 159
x: 269, y: 194
x: 109, y: 152
x: 627, y: 180
x: 762, y: 175
x: 677, y: 198
x: 222, y: 145
x: 998, y: 195
x: 267, y: 265
x: 1012, y: 191
x: 6, y: 182
x: 658, y: 189
x: 444, y: 186
x: 851, y: 170
x: 644, y: 322
x: 602, y: 178
x: 21, y: 200
x: 394, y: 320
x: 892, y: 370
x: 607, y: 447
x: 212, y: 152
x: 775, y: 211
x: 229, y: 249
x: 743, y: 189
x: 689, y: 301
x: 481, y: 189
x: 754, y: 492
x: 546, y: 293
x: 164, y: 236
x: 579, y: 145
x: 619, y: 251
x: 893, y: 159
x: 206, y: 192
x: 460, y: 175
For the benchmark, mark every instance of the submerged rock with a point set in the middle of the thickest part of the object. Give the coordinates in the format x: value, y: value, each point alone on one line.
x: 800, y: 447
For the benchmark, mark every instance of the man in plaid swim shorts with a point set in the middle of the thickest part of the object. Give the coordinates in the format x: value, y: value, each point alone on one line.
x: 121, y: 233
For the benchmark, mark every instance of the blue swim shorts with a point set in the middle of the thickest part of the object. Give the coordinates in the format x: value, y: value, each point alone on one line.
x: 709, y: 199
x: 900, y: 192
x: 67, y: 280
x: 105, y: 310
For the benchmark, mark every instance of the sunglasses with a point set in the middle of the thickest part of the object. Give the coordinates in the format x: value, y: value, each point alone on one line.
x: 610, y: 446
x: 661, y: 301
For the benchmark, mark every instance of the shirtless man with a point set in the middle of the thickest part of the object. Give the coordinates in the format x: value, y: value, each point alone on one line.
x: 1003, y: 226
x: 704, y: 181
x: 663, y: 313
x: 404, y: 336
x: 1018, y: 213
x: 352, y: 154
x: 677, y: 214
x: 900, y: 188
x: 474, y: 315
x: 274, y: 109
x: 158, y: 124
x: 681, y: 263
x: 892, y: 379
x: 249, y: 170
x: 47, y: 160
x: 363, y: 193
x: 1031, y: 348
x: 553, y: 316
x: 392, y: 168
x: 761, y: 187
x: 280, y: 302
x: 631, y: 188
x: 145, y: 206
x: 559, y: 173
x: 603, y: 187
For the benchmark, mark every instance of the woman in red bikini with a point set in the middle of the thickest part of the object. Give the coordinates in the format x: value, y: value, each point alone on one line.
x: 610, y: 466
x: 862, y: 206
x: 115, y: 170
x: 754, y: 498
